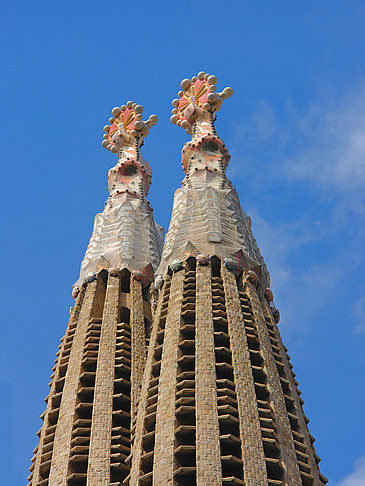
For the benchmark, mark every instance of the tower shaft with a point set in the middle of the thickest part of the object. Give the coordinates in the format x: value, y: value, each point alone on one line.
x: 86, y: 435
x: 219, y: 401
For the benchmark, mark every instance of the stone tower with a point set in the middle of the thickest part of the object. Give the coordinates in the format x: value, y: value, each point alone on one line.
x: 94, y: 390
x: 184, y: 381
x: 219, y: 402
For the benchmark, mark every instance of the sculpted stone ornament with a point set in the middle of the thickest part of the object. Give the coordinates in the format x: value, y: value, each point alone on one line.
x: 207, y: 217
x: 176, y: 266
x: 203, y: 259
x: 233, y: 265
x: 269, y: 295
x: 277, y: 316
x: 125, y: 234
x: 158, y: 282
x: 75, y: 292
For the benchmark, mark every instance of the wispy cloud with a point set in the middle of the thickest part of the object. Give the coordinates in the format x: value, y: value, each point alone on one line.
x: 357, y: 477
x: 319, y: 155
x: 324, y: 146
x: 331, y: 152
x: 312, y: 283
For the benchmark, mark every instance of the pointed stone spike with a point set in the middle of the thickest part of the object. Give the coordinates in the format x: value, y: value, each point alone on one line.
x: 201, y: 75
x: 185, y: 83
x: 175, y: 102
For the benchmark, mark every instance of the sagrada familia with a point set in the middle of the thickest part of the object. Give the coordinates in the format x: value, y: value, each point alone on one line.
x: 172, y: 371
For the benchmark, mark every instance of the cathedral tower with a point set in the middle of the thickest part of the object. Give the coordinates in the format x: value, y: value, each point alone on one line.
x: 184, y: 381
x: 94, y: 390
x: 219, y: 402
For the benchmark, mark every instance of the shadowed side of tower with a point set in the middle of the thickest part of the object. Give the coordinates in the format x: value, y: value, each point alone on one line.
x: 88, y: 422
x: 219, y: 403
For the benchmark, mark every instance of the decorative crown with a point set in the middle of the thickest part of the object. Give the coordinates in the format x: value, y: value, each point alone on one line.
x: 126, y: 120
x: 199, y: 92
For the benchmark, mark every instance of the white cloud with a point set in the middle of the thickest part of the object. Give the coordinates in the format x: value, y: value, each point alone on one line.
x: 295, y: 284
x: 357, y: 477
x: 324, y: 146
x: 333, y: 151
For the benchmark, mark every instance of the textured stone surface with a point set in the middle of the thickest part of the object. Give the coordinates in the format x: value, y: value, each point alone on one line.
x: 92, y: 308
x: 252, y: 447
x: 303, y: 428
x: 101, y: 425
x: 138, y: 343
x: 208, y: 463
x: 165, y: 419
x: 137, y: 448
x: 277, y: 398
x: 35, y: 476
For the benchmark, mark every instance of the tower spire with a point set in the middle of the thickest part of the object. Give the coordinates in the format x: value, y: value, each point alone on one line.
x: 219, y: 404
x: 125, y: 234
x: 94, y: 391
x: 207, y: 217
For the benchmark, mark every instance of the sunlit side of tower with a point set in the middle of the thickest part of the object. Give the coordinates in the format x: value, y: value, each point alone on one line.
x: 86, y: 434
x: 219, y: 403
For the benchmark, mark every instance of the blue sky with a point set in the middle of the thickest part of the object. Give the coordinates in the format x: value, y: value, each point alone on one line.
x: 295, y: 127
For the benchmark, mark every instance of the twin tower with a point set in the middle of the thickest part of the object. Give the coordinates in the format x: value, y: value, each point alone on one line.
x: 172, y: 371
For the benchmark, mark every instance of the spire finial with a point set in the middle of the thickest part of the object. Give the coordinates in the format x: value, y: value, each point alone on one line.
x: 198, y: 97
x: 126, y: 125
x: 124, y: 136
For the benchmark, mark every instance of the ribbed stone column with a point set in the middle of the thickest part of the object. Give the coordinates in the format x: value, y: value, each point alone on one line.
x: 73, y: 318
x: 139, y: 428
x: 138, y: 336
x: 208, y: 457
x: 289, y: 459
x: 249, y: 422
x: 163, y: 470
x: 92, y: 307
x: 101, y: 428
x: 294, y: 394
